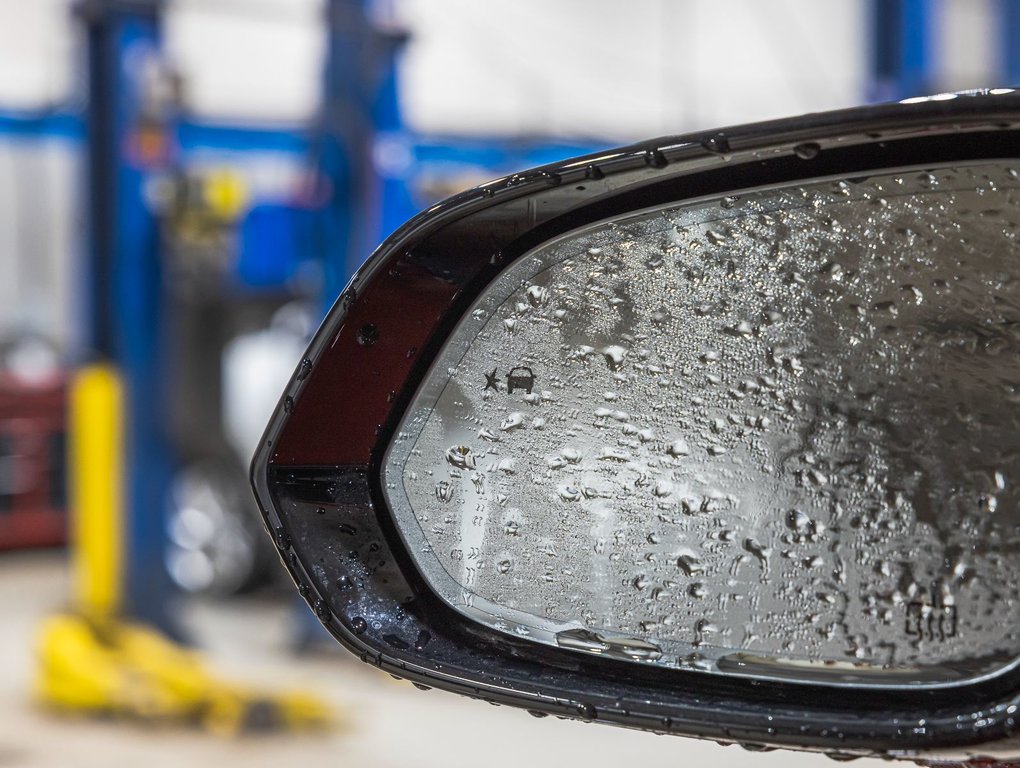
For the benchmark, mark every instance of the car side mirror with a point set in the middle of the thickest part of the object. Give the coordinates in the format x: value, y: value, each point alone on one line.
x: 715, y: 435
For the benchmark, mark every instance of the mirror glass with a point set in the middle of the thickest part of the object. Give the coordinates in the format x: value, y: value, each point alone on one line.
x: 774, y: 434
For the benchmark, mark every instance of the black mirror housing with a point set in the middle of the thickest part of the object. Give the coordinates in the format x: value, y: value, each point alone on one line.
x: 318, y: 474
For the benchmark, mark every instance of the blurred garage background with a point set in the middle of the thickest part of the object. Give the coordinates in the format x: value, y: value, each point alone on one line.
x: 185, y: 186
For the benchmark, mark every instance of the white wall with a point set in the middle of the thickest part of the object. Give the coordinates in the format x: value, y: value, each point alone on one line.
x: 248, y: 60
x: 967, y: 46
x: 611, y: 68
x: 626, y: 69
x: 243, y: 60
x: 39, y: 228
x: 36, y: 53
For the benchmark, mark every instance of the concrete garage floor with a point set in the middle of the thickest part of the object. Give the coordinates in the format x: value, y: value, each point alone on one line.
x: 394, y: 725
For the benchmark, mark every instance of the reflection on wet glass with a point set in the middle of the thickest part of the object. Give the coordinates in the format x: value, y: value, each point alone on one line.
x: 775, y: 434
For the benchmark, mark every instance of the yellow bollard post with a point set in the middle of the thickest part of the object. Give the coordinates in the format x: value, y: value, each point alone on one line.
x: 97, y: 479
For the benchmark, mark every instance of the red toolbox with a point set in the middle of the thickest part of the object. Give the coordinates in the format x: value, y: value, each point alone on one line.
x: 32, y: 464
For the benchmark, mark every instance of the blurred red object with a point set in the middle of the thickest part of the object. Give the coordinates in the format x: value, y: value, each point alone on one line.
x: 33, y: 508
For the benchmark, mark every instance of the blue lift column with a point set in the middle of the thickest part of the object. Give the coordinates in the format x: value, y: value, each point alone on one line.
x: 1010, y: 57
x: 902, y: 55
x: 114, y: 652
x: 359, y: 101
x: 130, y: 139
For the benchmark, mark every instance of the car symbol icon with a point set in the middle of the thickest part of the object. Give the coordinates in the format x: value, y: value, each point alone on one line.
x: 520, y: 377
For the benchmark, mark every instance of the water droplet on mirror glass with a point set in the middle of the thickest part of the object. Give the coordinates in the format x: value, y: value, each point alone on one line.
x: 460, y: 456
x: 807, y: 151
x: 444, y: 490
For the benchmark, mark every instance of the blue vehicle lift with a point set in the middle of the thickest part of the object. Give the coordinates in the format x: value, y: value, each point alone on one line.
x: 130, y: 138
x: 903, y: 55
x: 116, y: 652
x: 1010, y: 41
x: 117, y: 649
x: 359, y: 102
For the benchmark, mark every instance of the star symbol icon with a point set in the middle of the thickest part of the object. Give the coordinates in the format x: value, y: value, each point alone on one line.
x: 490, y: 381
